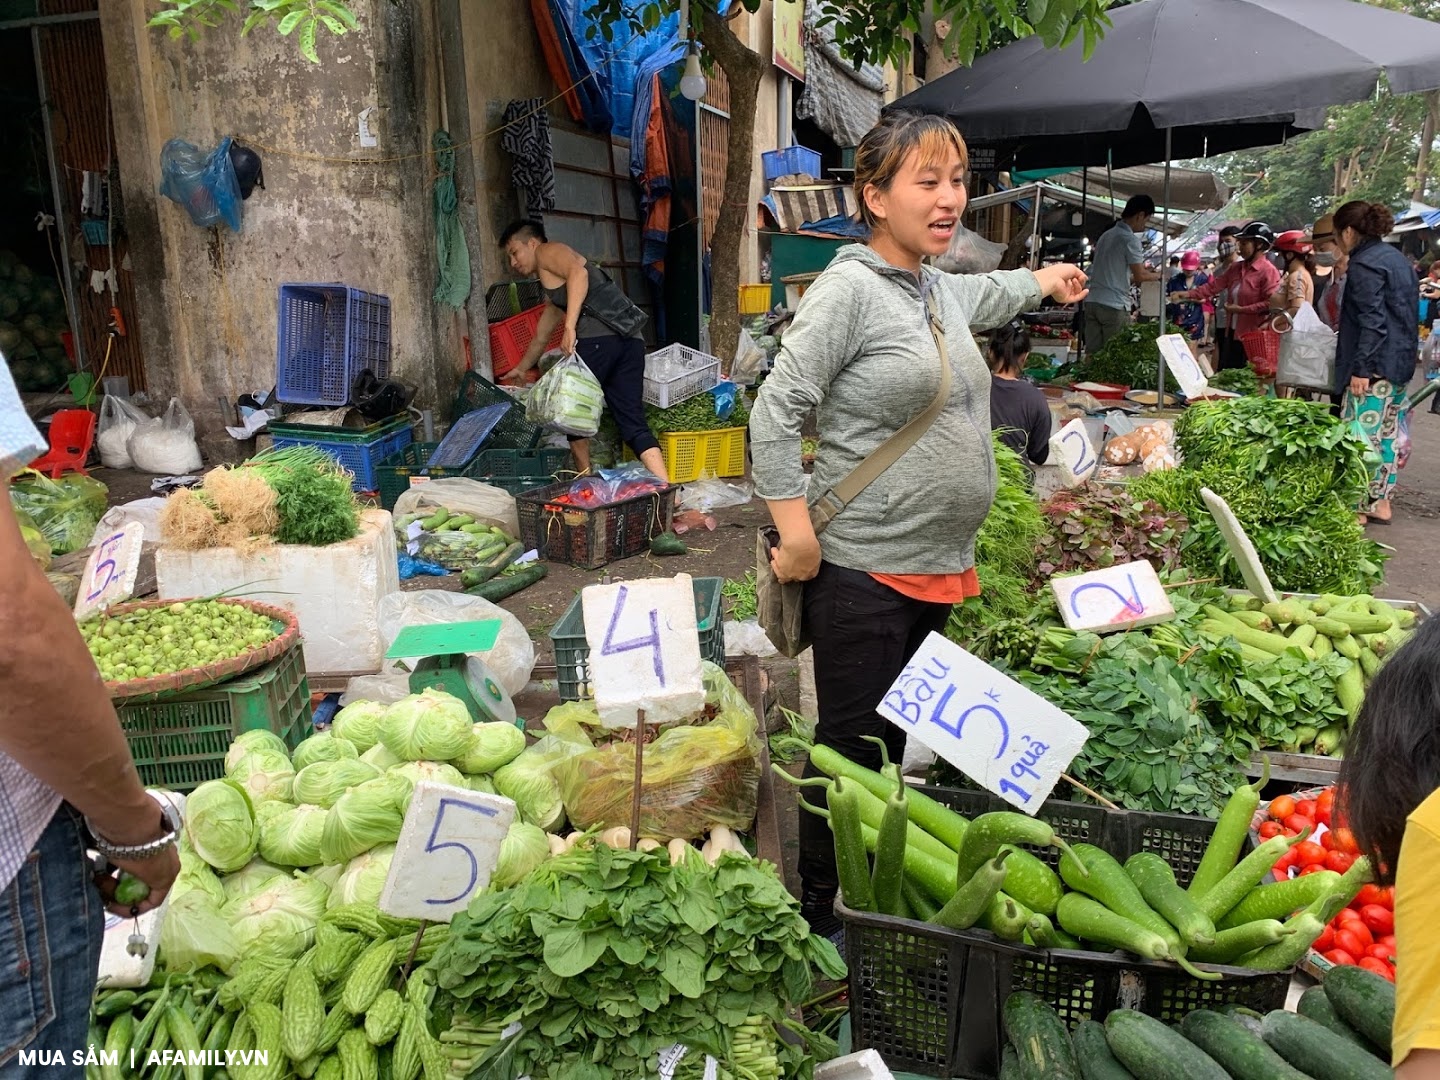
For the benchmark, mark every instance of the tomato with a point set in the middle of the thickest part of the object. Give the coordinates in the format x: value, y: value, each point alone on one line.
x: 1300, y: 823
x: 1387, y: 897
x: 1269, y: 828
x: 1368, y: 894
x: 1306, y: 808
x: 1285, y: 861
x: 1340, y: 957
x: 1282, y: 807
x: 1386, y: 939
x: 1342, y: 839
x: 1351, y: 942
x: 1339, y: 861
x: 1361, y: 931
x: 1381, y: 952
x: 1378, y: 967
x: 1308, y: 853
x: 1325, y: 801
x: 1313, y: 868
x: 1380, y: 919
x: 1326, y: 941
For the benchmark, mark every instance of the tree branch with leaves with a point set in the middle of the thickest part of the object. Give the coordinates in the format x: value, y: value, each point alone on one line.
x: 301, y: 18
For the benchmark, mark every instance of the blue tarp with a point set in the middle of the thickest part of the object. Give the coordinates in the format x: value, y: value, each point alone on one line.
x: 618, y: 63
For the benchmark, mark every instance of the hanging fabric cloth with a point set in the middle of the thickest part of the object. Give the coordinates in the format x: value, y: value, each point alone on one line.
x: 452, y: 283
x: 527, y: 139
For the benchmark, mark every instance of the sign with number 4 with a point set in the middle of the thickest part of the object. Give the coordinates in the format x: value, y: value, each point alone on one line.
x: 447, y: 850
x: 644, y: 650
x: 995, y: 731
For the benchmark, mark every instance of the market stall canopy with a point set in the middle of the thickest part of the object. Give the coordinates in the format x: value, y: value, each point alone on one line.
x: 1418, y: 218
x: 1269, y: 67
x: 1190, y: 189
x: 1094, y: 201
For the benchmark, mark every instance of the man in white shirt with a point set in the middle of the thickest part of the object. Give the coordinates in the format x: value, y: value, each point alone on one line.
x: 1118, y: 263
x: 67, y: 783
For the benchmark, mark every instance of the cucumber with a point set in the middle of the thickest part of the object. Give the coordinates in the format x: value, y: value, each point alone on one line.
x: 1365, y: 1001
x: 1247, y: 1018
x: 1093, y: 1054
x: 1039, y: 1037
x: 1010, y: 1065
x: 1156, y: 881
x: 1108, y: 883
x: 1315, y: 1004
x: 498, y: 588
x: 1317, y: 1051
x: 1153, y: 1051
x: 1230, y: 945
x: 1242, y: 1053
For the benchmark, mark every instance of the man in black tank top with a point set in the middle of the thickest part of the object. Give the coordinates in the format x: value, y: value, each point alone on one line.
x: 601, y: 325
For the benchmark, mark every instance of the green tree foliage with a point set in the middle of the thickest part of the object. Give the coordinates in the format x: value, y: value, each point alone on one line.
x: 304, y: 19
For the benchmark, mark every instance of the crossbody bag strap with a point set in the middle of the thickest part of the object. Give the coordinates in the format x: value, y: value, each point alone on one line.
x: 893, y: 448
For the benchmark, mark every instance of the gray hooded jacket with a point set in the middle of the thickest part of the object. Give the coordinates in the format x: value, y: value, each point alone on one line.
x: 860, y: 350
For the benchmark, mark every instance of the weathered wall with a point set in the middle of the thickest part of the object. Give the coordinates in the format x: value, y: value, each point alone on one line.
x: 331, y: 211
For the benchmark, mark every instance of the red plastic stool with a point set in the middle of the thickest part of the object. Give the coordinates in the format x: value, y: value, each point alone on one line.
x: 72, y: 433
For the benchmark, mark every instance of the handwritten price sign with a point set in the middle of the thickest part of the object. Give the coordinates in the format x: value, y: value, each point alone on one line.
x: 644, y: 650
x: 111, y: 570
x: 995, y: 731
x: 1183, y: 365
x: 1072, y: 445
x: 447, y: 850
x: 1118, y: 597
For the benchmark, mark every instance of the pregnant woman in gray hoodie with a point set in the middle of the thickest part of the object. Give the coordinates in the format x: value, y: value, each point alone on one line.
x: 886, y: 571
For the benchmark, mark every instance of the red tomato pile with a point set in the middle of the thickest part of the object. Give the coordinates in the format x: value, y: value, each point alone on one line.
x: 1363, y: 934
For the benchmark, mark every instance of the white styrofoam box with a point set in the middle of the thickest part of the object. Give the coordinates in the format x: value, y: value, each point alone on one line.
x: 866, y: 1065
x: 334, y: 591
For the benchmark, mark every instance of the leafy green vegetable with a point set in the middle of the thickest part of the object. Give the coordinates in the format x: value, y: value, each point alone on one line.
x: 741, y: 595
x: 220, y: 824
x: 697, y: 414
x: 612, y: 956
x: 313, y: 495
x: 322, y: 746
x: 359, y: 724
x: 429, y: 726
x: 1095, y: 527
x: 1130, y: 358
x: 1236, y: 380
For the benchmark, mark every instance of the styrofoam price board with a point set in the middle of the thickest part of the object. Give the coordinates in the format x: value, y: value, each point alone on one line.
x: 1076, y: 453
x: 1119, y: 597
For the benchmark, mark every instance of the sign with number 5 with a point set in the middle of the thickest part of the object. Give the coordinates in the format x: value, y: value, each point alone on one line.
x: 447, y: 850
x: 987, y: 725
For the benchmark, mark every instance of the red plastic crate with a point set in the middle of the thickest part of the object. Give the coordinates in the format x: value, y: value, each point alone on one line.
x: 509, y: 338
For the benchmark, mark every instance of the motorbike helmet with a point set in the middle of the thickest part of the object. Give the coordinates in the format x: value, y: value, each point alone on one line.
x: 1294, y: 241
x: 1258, y: 232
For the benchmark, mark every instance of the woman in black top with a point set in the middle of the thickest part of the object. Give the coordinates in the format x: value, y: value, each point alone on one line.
x: 1018, y: 409
x: 602, y: 326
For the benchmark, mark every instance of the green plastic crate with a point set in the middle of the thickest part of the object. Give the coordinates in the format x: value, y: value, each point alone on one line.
x: 179, y: 741
x: 392, y: 476
x: 572, y: 670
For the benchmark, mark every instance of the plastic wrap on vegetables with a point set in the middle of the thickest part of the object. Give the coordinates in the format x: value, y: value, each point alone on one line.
x: 696, y: 775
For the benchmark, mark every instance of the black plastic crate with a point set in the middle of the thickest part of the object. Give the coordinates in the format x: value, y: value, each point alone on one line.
x: 929, y: 999
x: 591, y: 538
x: 510, y: 298
x: 512, y: 433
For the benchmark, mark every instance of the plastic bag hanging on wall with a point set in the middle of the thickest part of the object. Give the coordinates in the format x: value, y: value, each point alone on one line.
x: 203, y: 182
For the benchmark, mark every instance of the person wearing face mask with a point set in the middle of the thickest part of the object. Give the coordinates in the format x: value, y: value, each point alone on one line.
x: 1189, y: 317
x: 1247, y: 285
x: 1375, y: 354
x: 1227, y: 257
x: 1297, y: 288
x: 874, y: 341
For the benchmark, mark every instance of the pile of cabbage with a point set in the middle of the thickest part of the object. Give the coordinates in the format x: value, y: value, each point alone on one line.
x: 286, y: 836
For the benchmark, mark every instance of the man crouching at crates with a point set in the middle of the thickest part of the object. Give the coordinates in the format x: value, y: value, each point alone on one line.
x: 602, y: 326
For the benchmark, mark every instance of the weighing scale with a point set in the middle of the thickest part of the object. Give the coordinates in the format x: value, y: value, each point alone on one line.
x: 439, y: 654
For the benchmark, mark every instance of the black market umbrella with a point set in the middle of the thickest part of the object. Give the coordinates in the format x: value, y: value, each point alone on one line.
x: 1181, y: 78
x: 1216, y: 75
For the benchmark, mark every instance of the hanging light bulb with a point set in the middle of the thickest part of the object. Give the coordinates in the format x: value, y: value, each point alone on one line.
x: 692, y: 83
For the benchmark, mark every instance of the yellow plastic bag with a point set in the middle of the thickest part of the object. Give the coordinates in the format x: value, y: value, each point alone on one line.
x: 696, y: 775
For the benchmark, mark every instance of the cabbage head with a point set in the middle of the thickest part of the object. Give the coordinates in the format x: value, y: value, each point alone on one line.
x: 265, y: 775
x: 491, y: 746
x: 379, y: 756
x: 322, y: 746
x: 363, y: 818
x: 194, y: 934
x: 268, y: 811
x: 327, y: 875
x: 524, y: 848
x: 196, y: 875
x: 248, y: 742
x: 220, y: 824
x: 363, y: 878
x: 527, y: 780
x: 429, y: 726
x: 279, y: 918
x: 293, y: 838
x: 325, y: 781
x: 436, y: 771
x: 481, y: 784
x: 254, y: 875
x: 359, y: 724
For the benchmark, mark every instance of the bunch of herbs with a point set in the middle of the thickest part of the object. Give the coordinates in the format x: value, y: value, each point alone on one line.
x: 1130, y: 358
x: 1093, y: 527
x: 313, y: 495
x: 698, y: 413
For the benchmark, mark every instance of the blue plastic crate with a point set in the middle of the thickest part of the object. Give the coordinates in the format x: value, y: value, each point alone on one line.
x: 328, y: 334
x: 791, y: 160
x: 361, y: 457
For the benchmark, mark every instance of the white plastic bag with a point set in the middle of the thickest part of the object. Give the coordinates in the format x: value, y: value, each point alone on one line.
x: 144, y: 511
x: 166, y: 444
x: 460, y: 495
x: 749, y: 360
x: 118, y: 418
x: 1307, y: 352
x: 708, y: 495
x: 747, y: 639
x: 511, y: 659
x: 567, y: 398
x: 970, y: 253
